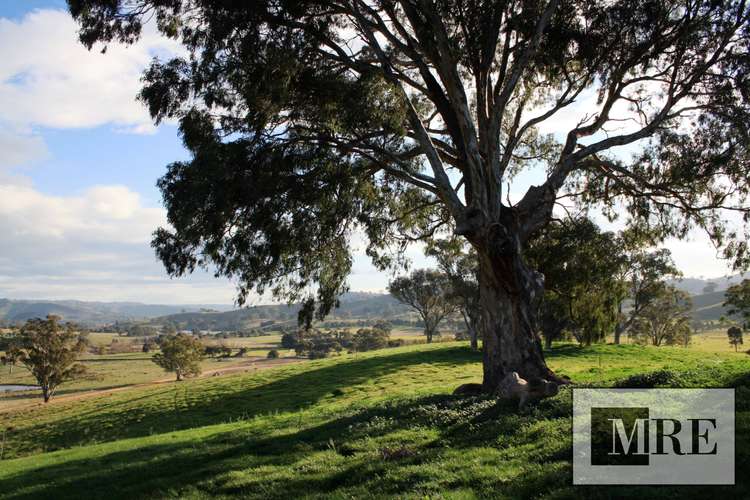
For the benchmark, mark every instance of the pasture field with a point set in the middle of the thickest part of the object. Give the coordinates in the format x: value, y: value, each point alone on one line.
x: 373, y: 424
x: 714, y: 340
x: 116, y: 371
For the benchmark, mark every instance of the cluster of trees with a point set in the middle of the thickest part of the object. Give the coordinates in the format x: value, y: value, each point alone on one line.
x: 600, y: 283
x: 50, y: 349
x: 316, y: 343
x: 597, y: 284
x: 217, y: 351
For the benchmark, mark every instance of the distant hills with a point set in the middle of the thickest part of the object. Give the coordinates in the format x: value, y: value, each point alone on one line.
x: 707, y: 306
x: 357, y: 305
x: 210, y: 316
x: 92, y: 313
x: 697, y: 286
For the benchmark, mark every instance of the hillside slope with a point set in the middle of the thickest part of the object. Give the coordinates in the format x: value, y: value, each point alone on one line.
x: 373, y: 425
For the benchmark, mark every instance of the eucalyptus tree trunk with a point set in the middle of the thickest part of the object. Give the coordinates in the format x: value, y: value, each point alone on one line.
x: 509, y: 292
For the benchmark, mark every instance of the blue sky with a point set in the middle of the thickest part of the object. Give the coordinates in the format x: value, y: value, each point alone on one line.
x: 79, y: 159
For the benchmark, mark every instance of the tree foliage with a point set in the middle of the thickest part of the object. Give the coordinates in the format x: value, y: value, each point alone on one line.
x: 665, y: 320
x: 50, y: 351
x: 461, y: 266
x: 581, y: 265
x: 180, y: 354
x: 298, y: 135
x: 428, y: 292
x: 737, y: 301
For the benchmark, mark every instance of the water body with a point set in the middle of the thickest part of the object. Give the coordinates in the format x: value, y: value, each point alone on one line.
x: 16, y: 388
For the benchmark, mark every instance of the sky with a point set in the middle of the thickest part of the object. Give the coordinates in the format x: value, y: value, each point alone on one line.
x: 79, y: 160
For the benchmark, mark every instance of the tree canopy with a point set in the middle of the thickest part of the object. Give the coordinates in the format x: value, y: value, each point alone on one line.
x: 429, y: 293
x: 180, y: 354
x: 582, y: 267
x: 303, y: 115
x: 308, y: 120
x: 50, y: 351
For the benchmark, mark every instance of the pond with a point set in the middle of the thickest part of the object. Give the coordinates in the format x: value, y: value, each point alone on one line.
x: 15, y: 388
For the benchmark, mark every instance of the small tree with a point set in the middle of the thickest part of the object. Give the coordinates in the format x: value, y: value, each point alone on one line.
x: 49, y: 350
x: 369, y: 339
x: 665, y: 320
x: 735, y: 336
x: 427, y: 292
x: 180, y: 354
x: 461, y: 267
x: 289, y: 340
x: 148, y: 345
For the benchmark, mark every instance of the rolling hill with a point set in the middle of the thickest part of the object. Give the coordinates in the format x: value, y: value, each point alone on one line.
x: 90, y: 313
x: 381, y: 424
x: 203, y: 317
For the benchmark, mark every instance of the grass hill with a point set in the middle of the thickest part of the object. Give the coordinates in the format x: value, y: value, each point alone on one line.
x: 378, y: 424
x: 709, y: 306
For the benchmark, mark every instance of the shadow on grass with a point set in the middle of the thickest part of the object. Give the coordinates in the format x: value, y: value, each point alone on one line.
x: 174, y: 407
x: 343, y: 457
x: 343, y: 453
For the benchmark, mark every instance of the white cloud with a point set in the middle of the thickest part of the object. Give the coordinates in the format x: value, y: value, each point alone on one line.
x: 91, y: 246
x: 47, y: 78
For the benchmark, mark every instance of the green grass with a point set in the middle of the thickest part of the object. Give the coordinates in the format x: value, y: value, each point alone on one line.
x: 373, y: 424
x: 104, y: 372
x: 111, y: 371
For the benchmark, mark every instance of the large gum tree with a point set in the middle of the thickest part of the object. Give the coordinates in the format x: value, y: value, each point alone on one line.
x: 309, y: 120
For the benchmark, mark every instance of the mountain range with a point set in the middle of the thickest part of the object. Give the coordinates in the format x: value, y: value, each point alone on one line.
x: 708, y: 295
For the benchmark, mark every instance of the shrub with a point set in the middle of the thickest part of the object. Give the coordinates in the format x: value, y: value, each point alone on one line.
x: 290, y: 340
x: 369, y: 339
x: 316, y: 344
x: 273, y: 354
x: 648, y: 380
